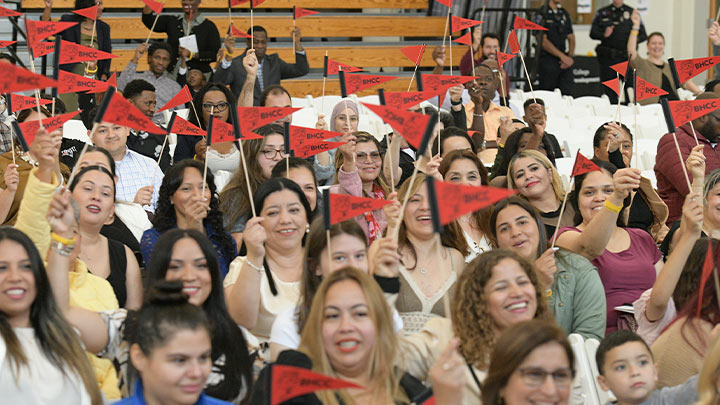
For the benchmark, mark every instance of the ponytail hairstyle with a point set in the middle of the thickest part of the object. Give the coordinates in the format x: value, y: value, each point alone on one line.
x: 58, y: 340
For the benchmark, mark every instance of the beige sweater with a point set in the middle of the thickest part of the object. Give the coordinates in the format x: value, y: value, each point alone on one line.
x: 675, y: 358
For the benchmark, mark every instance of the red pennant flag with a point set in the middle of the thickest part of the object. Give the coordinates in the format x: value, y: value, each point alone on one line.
x: 707, y: 269
x: 335, y: 66
x: 74, y: 53
x: 445, y: 2
x: 223, y: 132
x: 6, y: 12
x: 583, y: 165
x: 439, y: 84
x: 355, y: 82
x: 183, y: 127
x: 613, y: 84
x: 523, y: 24
x: 255, y: 117
x: 689, y: 68
x: 343, y: 206
x: 302, y: 135
x: 3, y: 44
x: 402, y: 100
x: 121, y: 112
x: 110, y: 82
x: 72, y: 83
x: 90, y: 12
x: 234, y: 3
x: 685, y: 111
x: 30, y: 128
x: 39, y: 30
x: 465, y: 39
x: 312, y: 148
x: 513, y: 42
x: 456, y: 200
x: 20, y: 102
x: 14, y: 78
x: 182, y: 97
x: 43, y: 48
x: 409, y: 124
x: 414, y: 52
x: 156, y: 6
x: 503, y: 57
x: 302, y: 12
x: 621, y: 68
x: 646, y: 90
x: 290, y: 382
x: 459, y: 23
x: 239, y: 34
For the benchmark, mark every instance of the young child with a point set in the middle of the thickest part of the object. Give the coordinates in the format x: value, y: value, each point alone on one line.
x: 626, y: 367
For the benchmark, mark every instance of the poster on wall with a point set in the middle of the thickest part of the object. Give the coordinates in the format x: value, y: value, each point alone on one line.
x: 642, y: 6
x: 584, y: 6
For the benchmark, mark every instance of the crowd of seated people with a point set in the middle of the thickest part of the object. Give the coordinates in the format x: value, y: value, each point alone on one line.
x: 130, y: 273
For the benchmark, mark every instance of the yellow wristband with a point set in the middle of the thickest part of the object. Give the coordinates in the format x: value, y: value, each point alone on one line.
x: 612, y: 207
x: 191, y: 55
x: 64, y: 241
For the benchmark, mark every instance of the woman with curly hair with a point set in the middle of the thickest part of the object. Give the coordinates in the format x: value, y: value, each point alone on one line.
x: 496, y: 290
x: 462, y: 166
x: 261, y: 156
x: 181, y: 204
x: 359, y: 174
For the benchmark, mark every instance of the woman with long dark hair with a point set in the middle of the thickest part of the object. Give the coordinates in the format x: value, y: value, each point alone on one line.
x: 217, y: 98
x: 181, y: 254
x: 181, y: 204
x: 42, y: 358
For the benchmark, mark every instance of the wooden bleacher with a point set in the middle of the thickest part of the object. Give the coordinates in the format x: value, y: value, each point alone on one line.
x: 338, y: 29
x: 222, y: 4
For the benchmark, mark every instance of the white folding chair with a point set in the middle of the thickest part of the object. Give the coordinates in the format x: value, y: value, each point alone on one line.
x: 591, y: 346
x: 584, y: 390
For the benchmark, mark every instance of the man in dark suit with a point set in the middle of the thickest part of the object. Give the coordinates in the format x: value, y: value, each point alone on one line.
x: 270, y: 68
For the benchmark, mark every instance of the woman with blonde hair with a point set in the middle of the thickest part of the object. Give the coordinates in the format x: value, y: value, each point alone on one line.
x: 261, y: 156
x: 349, y: 335
x: 709, y: 379
x: 535, y: 178
x: 427, y: 274
x: 359, y: 174
x: 496, y: 290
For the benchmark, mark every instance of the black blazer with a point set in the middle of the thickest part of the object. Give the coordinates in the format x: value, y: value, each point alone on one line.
x: 206, y: 34
x: 102, y: 36
x: 274, y: 70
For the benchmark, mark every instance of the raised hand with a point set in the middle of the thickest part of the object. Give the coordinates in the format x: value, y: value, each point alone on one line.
x: 696, y: 164
x: 438, y: 55
x: 61, y: 214
x: 144, y: 195
x: 692, y: 215
x: 545, y: 264
x: 11, y: 177
x: 714, y: 33
x: 625, y: 180
x: 448, y: 375
x: 254, y: 237
x: 385, y: 259
x: 250, y: 63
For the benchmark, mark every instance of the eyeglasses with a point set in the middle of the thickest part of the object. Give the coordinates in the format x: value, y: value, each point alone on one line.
x: 273, y: 153
x: 535, y: 377
x: 374, y: 156
x: 220, y: 107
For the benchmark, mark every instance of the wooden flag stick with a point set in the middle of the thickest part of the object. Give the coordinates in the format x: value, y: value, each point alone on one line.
x: 417, y: 62
x: 252, y: 37
x: 694, y: 134
x: 445, y: 298
x: 447, y: 21
x: 322, y: 99
x: 637, y: 148
x: 287, y: 166
x: 12, y: 143
x: 247, y: 177
x: 682, y: 162
x: 37, y: 92
x: 82, y: 153
x: 347, y: 118
x: 562, y: 210
x: 207, y: 147
x: 390, y: 162
x: 92, y: 37
x: 622, y: 90
x: 396, y: 230
x: 717, y: 15
x: 502, y: 87
x: 153, y: 28
x: 717, y: 284
x: 528, y: 76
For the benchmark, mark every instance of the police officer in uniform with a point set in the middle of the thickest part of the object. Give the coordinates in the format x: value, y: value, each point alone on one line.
x: 612, y: 25
x: 558, y: 46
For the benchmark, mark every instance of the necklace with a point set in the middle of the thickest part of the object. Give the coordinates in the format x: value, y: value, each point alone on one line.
x: 26, y: 157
